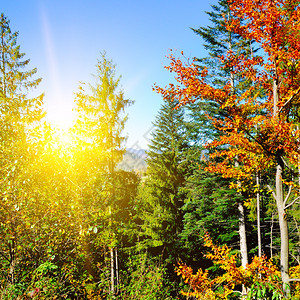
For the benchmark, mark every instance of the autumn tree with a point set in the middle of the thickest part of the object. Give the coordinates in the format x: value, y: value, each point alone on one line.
x: 260, y: 276
x: 260, y: 131
x: 218, y: 40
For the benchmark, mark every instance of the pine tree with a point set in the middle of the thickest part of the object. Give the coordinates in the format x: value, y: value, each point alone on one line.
x: 161, y: 197
x: 18, y: 116
x: 16, y: 81
x: 99, y: 126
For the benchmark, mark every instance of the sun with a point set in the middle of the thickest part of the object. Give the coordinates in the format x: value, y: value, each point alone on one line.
x: 65, y: 137
x: 61, y: 121
x: 63, y: 140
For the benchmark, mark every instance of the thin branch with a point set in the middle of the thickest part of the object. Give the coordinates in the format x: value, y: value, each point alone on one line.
x: 287, y: 102
x: 273, y: 193
x: 287, y: 196
x: 298, y: 262
x: 285, y: 163
x: 3, y: 255
x: 264, y: 147
x: 290, y: 204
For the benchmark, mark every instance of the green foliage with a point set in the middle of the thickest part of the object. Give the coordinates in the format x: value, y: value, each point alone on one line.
x: 160, y: 197
x: 146, y: 279
x: 265, y: 291
x: 210, y: 207
x: 18, y: 116
x: 16, y: 81
x: 68, y: 213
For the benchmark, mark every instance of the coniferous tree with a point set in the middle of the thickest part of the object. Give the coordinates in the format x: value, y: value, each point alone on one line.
x: 161, y: 197
x: 18, y: 116
x: 99, y: 126
x: 16, y: 81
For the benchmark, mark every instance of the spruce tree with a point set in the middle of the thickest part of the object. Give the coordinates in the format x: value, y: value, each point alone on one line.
x: 19, y: 114
x: 161, y: 196
x: 16, y: 81
x: 99, y: 130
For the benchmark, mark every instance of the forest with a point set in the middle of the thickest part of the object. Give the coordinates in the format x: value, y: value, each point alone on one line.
x: 214, y: 215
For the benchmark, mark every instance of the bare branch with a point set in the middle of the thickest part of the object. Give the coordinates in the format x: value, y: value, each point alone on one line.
x: 3, y: 255
x: 271, y: 190
x: 295, y: 258
x: 288, y: 101
x: 287, y: 196
x: 290, y: 204
x: 288, y: 167
x: 237, y: 292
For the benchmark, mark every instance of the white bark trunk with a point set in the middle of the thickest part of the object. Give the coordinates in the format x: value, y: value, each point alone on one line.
x: 112, y: 271
x: 243, y: 240
x: 242, y: 233
x: 117, y: 270
x: 258, y: 217
x: 242, y: 229
x: 284, y: 235
x: 271, y: 236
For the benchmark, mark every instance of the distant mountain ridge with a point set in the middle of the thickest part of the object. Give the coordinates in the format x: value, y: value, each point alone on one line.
x: 134, y: 160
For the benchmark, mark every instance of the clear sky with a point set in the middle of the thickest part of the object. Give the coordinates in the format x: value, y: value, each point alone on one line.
x: 63, y: 39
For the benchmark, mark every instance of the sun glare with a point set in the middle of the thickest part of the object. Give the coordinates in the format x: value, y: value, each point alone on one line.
x: 63, y: 139
x: 62, y: 119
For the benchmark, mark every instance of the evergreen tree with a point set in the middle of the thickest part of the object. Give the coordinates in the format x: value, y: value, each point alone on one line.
x: 218, y: 40
x: 160, y: 197
x: 16, y: 81
x: 18, y: 116
x: 100, y: 118
x: 160, y: 194
x: 99, y: 126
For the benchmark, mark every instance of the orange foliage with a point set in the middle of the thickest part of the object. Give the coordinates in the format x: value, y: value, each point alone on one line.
x: 295, y: 273
x: 255, y: 130
x: 260, y: 271
x: 262, y: 122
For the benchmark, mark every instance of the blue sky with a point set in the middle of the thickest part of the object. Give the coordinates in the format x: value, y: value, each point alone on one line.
x: 63, y: 39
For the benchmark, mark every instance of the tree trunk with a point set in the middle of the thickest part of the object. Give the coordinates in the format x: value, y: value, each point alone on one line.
x: 241, y: 210
x: 284, y: 235
x: 112, y: 271
x: 242, y: 229
x: 117, y: 270
x: 243, y: 240
x: 258, y: 217
x: 12, y: 264
x: 271, y: 236
x: 242, y: 233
